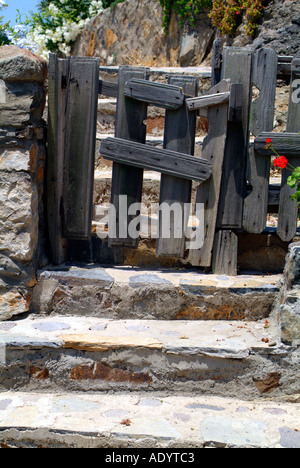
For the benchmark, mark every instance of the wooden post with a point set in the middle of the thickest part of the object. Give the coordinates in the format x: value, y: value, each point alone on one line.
x: 237, y: 65
x: 216, y: 65
x: 208, y: 193
x: 225, y: 253
x: 130, y: 125
x: 179, y: 135
x: 264, y: 77
x: 57, y: 78
x: 80, y: 140
x: 288, y: 209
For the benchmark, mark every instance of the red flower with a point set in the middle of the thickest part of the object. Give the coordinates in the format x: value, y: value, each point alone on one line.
x: 268, y: 141
x: 281, y: 162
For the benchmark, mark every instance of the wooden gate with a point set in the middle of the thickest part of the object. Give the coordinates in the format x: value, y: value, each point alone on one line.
x: 233, y: 176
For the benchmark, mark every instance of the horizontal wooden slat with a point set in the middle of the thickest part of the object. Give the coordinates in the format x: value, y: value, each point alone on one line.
x: 155, y: 159
x: 287, y: 144
x: 108, y: 88
x: 207, y: 101
x: 156, y: 94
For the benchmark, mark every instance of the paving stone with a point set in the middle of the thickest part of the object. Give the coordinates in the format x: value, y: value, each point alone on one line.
x: 51, y: 326
x: 118, y: 420
x: 135, y: 281
x: 235, y: 432
x: 289, y: 438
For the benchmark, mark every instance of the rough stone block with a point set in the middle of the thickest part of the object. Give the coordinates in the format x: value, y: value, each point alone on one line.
x: 12, y: 303
x: 18, y: 216
x: 21, y: 65
x: 21, y: 104
x: 290, y: 318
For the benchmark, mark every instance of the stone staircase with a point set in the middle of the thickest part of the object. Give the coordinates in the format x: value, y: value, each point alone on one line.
x: 135, y: 358
x: 154, y: 355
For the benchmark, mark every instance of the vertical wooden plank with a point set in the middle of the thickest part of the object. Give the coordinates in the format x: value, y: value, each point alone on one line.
x: 58, y: 71
x: 264, y: 77
x: 179, y: 135
x: 288, y: 209
x: 237, y: 65
x: 225, y: 253
x: 208, y: 192
x: 82, y: 104
x: 126, y: 180
x: 216, y: 64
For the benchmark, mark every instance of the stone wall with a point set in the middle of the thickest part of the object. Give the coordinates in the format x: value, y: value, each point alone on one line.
x: 290, y: 308
x: 131, y: 34
x: 22, y: 159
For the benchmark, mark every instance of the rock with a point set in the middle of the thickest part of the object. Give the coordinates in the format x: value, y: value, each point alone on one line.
x: 279, y: 28
x: 112, y: 36
x: 18, y: 216
x: 8, y: 268
x: 21, y: 65
x: 12, y: 303
x: 290, y: 319
x: 23, y: 104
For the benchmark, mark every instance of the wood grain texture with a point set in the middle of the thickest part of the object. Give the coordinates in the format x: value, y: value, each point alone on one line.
x: 155, y: 159
x: 264, y: 77
x: 80, y: 140
x: 179, y: 136
x: 157, y: 94
x: 58, y: 72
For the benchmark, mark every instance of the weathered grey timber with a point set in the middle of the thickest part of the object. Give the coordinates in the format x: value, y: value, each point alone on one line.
x: 179, y: 136
x: 237, y: 65
x: 261, y: 120
x: 80, y: 139
x: 207, y: 101
x: 130, y: 125
x: 288, y: 209
x: 157, y: 94
x: 225, y: 252
x: 208, y: 192
x: 155, y: 159
x: 58, y: 71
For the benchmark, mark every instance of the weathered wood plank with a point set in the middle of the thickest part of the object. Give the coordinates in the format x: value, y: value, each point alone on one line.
x: 261, y: 120
x: 216, y: 64
x: 207, y: 101
x: 108, y: 88
x: 235, y: 103
x: 82, y: 103
x: 58, y: 69
x: 287, y: 144
x: 288, y: 209
x: 208, y: 193
x: 130, y: 125
x: 179, y: 136
x: 237, y: 65
x: 155, y: 159
x: 157, y: 94
x: 225, y: 253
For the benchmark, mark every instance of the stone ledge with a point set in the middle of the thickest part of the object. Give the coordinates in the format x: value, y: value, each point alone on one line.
x: 136, y: 293
x: 133, y: 420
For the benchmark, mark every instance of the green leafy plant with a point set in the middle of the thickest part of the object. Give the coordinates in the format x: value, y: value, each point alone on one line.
x: 293, y: 180
x: 57, y: 24
x: 226, y: 15
x: 4, y: 40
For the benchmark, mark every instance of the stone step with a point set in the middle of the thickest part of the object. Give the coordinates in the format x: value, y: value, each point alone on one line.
x: 137, y: 293
x: 41, y: 420
x: 85, y: 354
